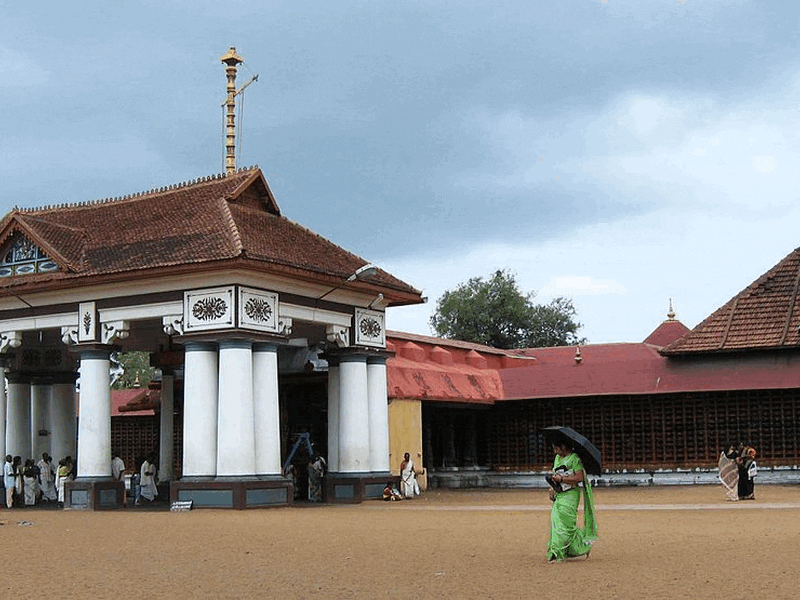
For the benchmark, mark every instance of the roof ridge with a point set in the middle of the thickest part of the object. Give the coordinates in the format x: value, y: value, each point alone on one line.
x: 160, y: 190
x: 232, y: 228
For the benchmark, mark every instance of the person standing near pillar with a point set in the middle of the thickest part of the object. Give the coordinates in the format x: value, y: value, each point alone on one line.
x: 149, y: 491
x: 8, y: 480
x: 46, y: 478
x: 118, y: 473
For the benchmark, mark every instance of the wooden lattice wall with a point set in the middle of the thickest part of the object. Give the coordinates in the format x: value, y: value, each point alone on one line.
x: 134, y: 437
x: 649, y: 432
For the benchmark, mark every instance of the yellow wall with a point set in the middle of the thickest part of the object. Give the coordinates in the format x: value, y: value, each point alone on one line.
x: 405, y: 435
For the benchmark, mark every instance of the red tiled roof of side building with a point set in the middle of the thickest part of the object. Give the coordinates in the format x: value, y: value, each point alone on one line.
x: 429, y: 368
x: 765, y: 315
x: 222, y: 218
x: 638, y: 368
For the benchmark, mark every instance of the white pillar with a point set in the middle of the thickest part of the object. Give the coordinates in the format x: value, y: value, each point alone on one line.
x: 235, y: 425
x: 63, y: 421
x: 40, y: 418
x: 166, y: 453
x: 18, y: 428
x: 200, y: 410
x: 266, y: 410
x: 3, y: 419
x: 333, y: 414
x: 378, y: 414
x: 94, y: 420
x: 354, y: 450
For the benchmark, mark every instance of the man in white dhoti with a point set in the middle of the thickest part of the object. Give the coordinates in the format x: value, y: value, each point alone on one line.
x: 47, y: 478
x: 30, y: 475
x: 118, y: 473
x: 8, y: 481
x: 408, y: 477
x: 147, y: 473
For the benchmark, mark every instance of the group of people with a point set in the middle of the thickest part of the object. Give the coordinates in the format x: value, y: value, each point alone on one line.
x: 737, y: 472
x: 34, y: 482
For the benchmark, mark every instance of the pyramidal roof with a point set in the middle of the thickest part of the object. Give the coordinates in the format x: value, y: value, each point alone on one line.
x: 227, y: 219
x: 765, y: 315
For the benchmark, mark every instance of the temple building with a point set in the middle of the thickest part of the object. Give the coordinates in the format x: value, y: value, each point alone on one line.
x: 227, y: 295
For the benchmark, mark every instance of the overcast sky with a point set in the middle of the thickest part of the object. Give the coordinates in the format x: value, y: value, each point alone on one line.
x: 616, y: 152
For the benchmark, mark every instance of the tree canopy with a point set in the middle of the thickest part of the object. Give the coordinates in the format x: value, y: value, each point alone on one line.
x: 496, y: 313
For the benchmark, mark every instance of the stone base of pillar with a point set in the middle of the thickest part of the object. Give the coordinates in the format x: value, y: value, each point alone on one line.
x: 352, y: 488
x: 233, y: 492
x: 94, y: 494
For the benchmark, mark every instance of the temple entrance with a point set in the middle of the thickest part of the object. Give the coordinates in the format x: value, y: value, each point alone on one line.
x: 304, y: 409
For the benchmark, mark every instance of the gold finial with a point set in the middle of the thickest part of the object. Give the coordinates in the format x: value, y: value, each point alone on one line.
x: 232, y: 60
x: 578, y: 357
x: 671, y: 313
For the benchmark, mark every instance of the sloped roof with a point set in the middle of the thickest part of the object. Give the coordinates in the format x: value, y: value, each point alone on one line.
x: 443, y: 370
x: 221, y: 218
x: 666, y: 333
x: 638, y: 368
x: 765, y: 315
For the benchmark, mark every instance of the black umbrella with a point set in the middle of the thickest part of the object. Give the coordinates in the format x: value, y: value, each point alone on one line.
x: 589, y: 455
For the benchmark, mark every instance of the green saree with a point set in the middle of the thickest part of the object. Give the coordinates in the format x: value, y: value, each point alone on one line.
x: 566, y: 539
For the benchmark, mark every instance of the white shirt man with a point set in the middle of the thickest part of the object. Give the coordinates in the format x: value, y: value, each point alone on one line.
x: 8, y: 481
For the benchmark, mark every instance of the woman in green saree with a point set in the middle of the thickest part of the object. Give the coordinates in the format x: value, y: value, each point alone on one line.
x: 566, y: 538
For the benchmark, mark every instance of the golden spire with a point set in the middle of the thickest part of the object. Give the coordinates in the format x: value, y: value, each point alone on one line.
x: 671, y: 313
x: 231, y: 59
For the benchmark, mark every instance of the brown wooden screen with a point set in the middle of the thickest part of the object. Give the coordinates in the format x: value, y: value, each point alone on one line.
x: 650, y: 432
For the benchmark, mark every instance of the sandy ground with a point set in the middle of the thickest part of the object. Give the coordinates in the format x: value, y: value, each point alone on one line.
x: 681, y: 542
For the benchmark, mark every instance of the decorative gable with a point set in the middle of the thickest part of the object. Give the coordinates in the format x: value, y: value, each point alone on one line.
x: 21, y: 256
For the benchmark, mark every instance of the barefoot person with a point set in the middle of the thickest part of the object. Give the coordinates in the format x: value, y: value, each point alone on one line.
x: 408, y: 477
x: 566, y: 539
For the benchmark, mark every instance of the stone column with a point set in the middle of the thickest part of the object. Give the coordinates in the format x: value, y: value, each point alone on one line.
x: 3, y: 420
x: 40, y: 418
x: 63, y: 421
x: 354, y: 448
x: 18, y: 427
x: 200, y: 410
x: 235, y: 416
x: 378, y: 414
x: 166, y: 452
x: 334, y: 382
x: 266, y: 410
x: 94, y: 420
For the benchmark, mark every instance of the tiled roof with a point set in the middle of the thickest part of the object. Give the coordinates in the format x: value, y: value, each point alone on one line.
x: 220, y: 218
x: 666, y: 333
x: 765, y: 315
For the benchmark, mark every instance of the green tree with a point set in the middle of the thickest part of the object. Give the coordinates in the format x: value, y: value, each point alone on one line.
x: 496, y: 313
x: 130, y: 367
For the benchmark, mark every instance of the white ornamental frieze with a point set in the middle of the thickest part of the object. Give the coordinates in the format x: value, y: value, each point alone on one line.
x: 258, y: 310
x: 370, y: 329
x: 208, y: 309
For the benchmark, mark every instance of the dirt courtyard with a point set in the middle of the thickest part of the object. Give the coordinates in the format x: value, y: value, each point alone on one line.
x: 668, y: 542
